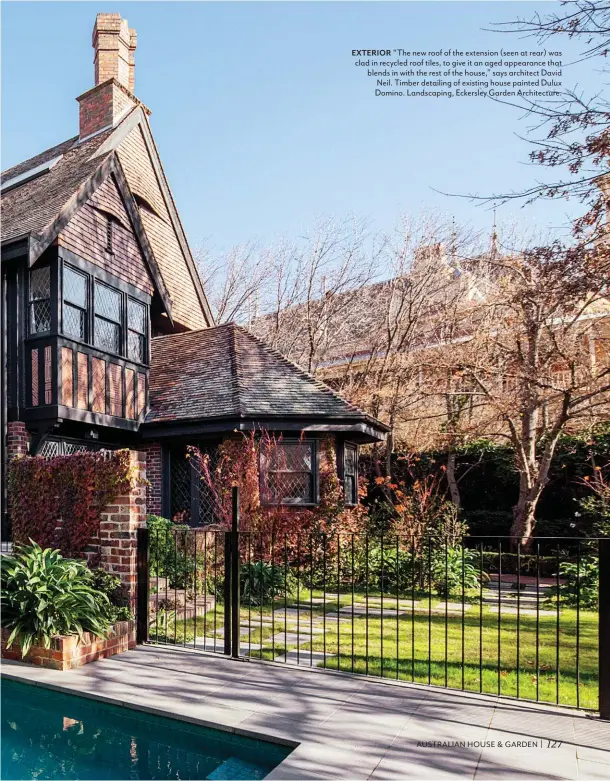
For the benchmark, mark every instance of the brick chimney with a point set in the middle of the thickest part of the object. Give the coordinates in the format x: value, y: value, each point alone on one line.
x: 114, y: 62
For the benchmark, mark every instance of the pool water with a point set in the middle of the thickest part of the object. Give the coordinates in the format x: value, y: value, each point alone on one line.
x: 48, y: 735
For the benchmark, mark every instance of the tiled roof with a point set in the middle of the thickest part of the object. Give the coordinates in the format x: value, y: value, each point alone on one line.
x: 228, y: 372
x: 31, y: 206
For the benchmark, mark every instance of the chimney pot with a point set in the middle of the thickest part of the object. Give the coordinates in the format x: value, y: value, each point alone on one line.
x: 114, y: 62
x: 114, y: 44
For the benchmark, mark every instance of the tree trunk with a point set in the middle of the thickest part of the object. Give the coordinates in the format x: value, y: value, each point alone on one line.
x: 388, y: 454
x: 524, y: 521
x: 454, y: 488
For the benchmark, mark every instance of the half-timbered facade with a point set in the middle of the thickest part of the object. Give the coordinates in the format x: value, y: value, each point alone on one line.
x: 108, y: 337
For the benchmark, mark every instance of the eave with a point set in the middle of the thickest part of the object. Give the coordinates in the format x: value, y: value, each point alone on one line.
x: 364, y: 430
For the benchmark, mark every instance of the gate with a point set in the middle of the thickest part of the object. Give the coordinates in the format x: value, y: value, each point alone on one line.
x: 473, y: 613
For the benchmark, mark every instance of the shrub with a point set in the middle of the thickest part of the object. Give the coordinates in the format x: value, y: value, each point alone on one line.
x: 581, y: 583
x: 261, y: 582
x: 110, y: 585
x: 169, y: 557
x: 455, y: 569
x: 44, y: 595
x: 392, y: 569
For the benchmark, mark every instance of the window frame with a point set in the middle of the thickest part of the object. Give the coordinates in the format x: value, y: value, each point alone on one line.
x: 31, y: 301
x: 110, y: 234
x: 353, y: 500
x: 142, y: 334
x: 264, y: 472
x: 120, y: 322
x: 86, y: 310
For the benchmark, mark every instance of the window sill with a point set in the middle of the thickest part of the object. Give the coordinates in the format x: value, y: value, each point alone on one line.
x: 290, y: 504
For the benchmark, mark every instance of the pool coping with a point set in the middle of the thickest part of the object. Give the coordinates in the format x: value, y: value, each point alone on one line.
x: 337, y: 725
x: 67, y: 688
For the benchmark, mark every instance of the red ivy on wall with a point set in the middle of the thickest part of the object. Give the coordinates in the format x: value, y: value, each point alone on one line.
x: 238, y: 464
x: 57, y: 502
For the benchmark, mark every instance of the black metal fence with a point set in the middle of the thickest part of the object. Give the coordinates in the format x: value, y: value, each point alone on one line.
x: 477, y: 614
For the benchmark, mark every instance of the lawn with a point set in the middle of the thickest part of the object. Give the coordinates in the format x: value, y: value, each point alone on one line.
x: 480, y: 654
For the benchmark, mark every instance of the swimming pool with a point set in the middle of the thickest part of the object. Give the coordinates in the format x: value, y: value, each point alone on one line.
x: 50, y: 735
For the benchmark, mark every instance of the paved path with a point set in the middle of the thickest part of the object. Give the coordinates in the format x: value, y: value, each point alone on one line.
x: 344, y: 726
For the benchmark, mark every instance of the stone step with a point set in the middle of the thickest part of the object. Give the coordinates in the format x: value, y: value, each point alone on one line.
x: 305, y: 658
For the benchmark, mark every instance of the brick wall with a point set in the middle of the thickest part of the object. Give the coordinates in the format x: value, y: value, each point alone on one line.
x: 118, y: 528
x: 154, y: 475
x: 18, y: 439
x: 67, y: 652
x: 102, y: 106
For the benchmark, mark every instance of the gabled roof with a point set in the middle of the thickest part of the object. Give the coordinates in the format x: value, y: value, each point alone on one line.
x: 30, y: 208
x: 227, y: 372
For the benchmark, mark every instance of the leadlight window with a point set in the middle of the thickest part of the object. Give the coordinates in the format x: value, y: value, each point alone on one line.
x: 288, y: 473
x: 107, y: 321
x: 136, y: 331
x: 350, y: 474
x: 76, y: 303
x: 40, y: 300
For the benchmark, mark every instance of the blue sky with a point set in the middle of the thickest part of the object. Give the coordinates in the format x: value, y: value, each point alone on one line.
x: 262, y: 120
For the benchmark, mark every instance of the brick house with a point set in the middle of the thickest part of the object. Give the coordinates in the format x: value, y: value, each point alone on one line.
x: 108, y: 337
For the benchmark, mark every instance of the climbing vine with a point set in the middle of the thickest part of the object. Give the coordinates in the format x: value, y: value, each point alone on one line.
x: 58, y: 502
x: 237, y: 463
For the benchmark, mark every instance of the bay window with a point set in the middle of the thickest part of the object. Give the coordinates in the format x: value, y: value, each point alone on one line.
x: 136, y: 331
x: 107, y: 319
x: 75, y: 304
x: 40, y: 300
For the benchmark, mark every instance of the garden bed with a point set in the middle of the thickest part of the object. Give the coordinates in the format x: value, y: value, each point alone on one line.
x: 67, y: 651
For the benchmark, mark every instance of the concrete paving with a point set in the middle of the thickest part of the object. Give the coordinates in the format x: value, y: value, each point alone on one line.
x: 289, y: 638
x: 305, y: 658
x: 346, y: 726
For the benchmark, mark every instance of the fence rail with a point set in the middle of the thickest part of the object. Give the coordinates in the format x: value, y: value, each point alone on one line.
x: 473, y: 613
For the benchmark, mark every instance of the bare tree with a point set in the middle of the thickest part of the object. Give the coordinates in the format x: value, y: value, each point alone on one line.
x: 234, y: 281
x: 540, y: 359
x: 313, y: 283
x: 570, y: 133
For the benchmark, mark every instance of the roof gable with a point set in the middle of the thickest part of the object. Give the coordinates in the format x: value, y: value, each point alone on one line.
x: 40, y: 207
x: 144, y: 173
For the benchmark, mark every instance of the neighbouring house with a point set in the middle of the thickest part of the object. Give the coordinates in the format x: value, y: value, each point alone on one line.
x: 109, y: 341
x: 407, y: 349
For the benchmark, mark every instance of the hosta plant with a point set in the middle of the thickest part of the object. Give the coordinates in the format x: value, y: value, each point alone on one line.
x: 44, y: 594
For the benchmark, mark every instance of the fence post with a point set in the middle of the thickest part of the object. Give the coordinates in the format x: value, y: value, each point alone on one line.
x: 227, y: 595
x: 142, y: 599
x: 604, y: 628
x: 235, y: 573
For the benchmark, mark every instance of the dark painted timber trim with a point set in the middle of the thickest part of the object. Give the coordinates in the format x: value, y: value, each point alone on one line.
x: 16, y: 248
x: 138, y: 228
x: 109, y: 167
x: 44, y: 239
x: 57, y: 413
x: 104, y: 276
x: 358, y: 431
